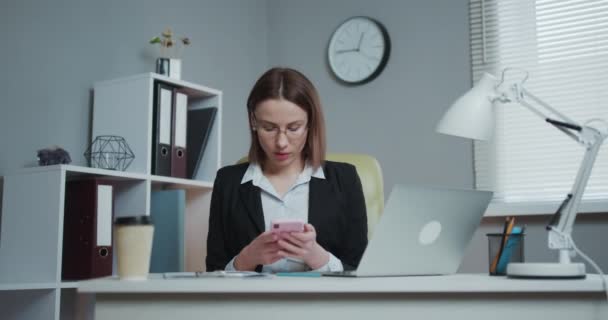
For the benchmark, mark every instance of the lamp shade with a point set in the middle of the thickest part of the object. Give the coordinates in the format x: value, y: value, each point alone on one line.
x: 472, y: 115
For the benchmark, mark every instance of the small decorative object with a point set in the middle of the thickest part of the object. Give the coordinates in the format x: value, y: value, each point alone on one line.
x: 358, y: 50
x: 53, y: 155
x: 109, y: 152
x: 169, y: 63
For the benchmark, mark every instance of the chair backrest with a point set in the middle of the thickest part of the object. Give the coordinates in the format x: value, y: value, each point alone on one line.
x: 370, y: 173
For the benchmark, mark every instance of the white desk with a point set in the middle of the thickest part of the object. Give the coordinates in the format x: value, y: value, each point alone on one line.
x: 459, y: 296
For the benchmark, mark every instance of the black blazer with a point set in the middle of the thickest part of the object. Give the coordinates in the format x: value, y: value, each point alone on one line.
x: 336, y: 210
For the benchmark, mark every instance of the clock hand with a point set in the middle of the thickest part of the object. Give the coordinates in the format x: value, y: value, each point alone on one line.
x: 360, y: 39
x: 349, y: 50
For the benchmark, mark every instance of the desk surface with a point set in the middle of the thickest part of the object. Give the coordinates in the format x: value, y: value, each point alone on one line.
x: 458, y: 283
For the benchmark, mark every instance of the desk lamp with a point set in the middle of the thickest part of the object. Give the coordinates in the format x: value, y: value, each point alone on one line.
x: 472, y: 116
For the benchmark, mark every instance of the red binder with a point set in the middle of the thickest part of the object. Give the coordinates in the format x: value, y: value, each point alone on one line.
x: 178, y: 134
x: 87, y: 229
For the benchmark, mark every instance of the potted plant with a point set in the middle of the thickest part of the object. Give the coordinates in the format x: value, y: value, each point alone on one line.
x: 169, y: 62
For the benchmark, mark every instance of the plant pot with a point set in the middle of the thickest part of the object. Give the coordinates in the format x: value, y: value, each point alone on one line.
x: 169, y: 67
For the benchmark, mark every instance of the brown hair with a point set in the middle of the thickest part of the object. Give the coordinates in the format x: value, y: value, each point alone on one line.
x: 293, y: 86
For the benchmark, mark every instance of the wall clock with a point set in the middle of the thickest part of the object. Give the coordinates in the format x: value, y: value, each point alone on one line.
x: 358, y: 50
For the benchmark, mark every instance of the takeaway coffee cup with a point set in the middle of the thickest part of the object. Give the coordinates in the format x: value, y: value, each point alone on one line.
x: 134, y: 246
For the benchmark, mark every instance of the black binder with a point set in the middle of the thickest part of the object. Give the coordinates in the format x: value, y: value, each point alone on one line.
x: 200, y: 122
x: 161, y: 131
x: 87, y: 229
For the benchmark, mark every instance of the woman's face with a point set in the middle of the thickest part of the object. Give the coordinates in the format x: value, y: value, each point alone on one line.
x: 281, y: 128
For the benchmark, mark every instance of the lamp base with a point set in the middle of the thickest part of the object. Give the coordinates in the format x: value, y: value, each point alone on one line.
x: 546, y: 270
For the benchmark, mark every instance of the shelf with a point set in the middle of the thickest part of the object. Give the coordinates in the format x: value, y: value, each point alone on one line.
x: 123, y: 107
x: 75, y: 170
x: 181, y: 183
x: 192, y: 89
x: 28, y: 286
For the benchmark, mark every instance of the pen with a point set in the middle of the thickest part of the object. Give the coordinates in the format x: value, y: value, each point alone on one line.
x: 508, y: 226
x: 515, y: 236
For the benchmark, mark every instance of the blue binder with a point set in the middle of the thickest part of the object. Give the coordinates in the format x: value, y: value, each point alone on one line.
x: 167, y: 208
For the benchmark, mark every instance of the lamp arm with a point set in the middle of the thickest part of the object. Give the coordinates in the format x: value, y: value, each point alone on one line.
x: 562, y: 126
x: 559, y: 235
x: 570, y: 210
x: 565, y: 125
x: 591, y: 138
x: 563, y: 117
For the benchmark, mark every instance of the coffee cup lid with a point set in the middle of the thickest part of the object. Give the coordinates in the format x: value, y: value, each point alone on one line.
x: 133, y: 220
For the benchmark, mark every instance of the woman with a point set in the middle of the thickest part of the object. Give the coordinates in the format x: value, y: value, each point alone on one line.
x: 287, y: 177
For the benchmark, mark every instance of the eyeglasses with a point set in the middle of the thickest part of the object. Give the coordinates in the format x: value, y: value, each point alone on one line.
x: 293, y: 131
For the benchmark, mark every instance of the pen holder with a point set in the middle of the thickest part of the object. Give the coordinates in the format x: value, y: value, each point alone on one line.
x: 499, y: 256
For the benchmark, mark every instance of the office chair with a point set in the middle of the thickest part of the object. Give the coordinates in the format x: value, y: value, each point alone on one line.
x: 370, y: 173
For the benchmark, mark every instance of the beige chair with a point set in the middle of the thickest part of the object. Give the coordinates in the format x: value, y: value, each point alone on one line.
x: 370, y: 173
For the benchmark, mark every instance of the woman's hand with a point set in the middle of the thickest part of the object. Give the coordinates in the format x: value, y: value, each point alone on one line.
x: 262, y: 250
x: 304, y: 246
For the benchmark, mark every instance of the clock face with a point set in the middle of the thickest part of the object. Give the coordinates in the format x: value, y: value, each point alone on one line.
x: 358, y: 50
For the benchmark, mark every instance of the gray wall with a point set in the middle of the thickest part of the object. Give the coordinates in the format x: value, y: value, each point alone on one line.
x: 394, y: 116
x: 53, y: 52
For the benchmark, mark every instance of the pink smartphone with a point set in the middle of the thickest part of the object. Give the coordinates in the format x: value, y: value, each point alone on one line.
x: 287, y: 225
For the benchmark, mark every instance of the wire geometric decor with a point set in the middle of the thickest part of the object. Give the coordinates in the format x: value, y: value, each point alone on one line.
x: 109, y: 152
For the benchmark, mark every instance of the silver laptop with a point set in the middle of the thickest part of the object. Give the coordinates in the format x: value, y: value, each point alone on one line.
x: 423, y: 231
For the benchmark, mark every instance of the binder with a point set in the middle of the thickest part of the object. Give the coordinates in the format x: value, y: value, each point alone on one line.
x: 178, y: 134
x: 167, y: 209
x: 200, y: 123
x: 161, y: 133
x: 87, y: 229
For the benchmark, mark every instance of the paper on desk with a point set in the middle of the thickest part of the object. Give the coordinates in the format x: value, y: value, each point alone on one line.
x: 214, y: 274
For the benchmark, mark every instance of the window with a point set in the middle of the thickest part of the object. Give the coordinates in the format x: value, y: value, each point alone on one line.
x: 563, y: 45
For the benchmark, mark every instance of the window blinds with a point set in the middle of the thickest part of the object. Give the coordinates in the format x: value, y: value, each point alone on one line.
x: 563, y: 45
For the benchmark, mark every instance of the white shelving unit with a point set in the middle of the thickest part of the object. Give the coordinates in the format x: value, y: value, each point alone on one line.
x: 32, y: 200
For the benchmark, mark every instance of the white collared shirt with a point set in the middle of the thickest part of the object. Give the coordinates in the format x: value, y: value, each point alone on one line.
x: 293, y: 205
